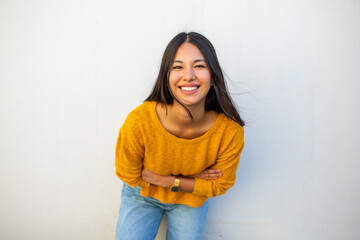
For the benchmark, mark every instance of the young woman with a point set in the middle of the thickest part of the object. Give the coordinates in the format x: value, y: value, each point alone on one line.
x: 181, y: 146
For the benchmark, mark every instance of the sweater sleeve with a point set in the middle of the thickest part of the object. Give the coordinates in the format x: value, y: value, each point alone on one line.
x: 227, y: 161
x: 129, y: 154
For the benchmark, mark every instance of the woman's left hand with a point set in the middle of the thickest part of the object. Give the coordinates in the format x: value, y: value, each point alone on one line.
x: 156, y: 179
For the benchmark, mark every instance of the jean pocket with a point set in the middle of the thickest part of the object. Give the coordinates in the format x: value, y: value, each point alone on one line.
x: 130, y: 192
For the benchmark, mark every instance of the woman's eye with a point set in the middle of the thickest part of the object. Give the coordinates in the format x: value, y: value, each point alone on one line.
x: 177, y: 67
x: 200, y: 66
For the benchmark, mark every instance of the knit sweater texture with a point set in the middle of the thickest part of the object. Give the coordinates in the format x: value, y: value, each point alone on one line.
x: 144, y: 142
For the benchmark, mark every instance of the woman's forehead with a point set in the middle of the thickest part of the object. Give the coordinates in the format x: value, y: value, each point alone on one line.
x: 188, y: 51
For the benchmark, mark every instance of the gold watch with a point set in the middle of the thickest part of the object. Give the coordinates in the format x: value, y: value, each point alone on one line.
x: 176, y: 186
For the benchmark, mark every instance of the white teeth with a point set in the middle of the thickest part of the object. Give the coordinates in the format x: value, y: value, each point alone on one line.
x: 188, y: 88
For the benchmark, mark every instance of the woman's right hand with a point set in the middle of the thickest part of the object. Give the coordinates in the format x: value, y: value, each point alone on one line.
x: 208, y: 174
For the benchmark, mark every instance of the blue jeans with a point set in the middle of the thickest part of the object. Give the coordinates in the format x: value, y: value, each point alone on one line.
x: 140, y: 218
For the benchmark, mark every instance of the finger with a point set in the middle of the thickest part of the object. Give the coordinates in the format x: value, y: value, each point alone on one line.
x: 215, y: 175
x: 211, y: 171
x: 211, y: 178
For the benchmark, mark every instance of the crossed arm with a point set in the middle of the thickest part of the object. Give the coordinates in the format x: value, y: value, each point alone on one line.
x: 186, y: 183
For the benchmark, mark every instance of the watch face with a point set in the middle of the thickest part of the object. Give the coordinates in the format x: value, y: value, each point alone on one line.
x: 174, y: 189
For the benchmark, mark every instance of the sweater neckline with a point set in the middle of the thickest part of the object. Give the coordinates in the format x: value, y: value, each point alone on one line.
x: 176, y: 138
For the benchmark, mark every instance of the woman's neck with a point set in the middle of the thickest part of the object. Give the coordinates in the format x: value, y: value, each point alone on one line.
x: 179, y: 115
x: 177, y: 121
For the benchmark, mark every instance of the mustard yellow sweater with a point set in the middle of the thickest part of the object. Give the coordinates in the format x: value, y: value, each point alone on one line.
x: 143, y: 141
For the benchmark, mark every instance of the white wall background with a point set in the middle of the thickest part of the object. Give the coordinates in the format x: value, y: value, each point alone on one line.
x: 70, y: 72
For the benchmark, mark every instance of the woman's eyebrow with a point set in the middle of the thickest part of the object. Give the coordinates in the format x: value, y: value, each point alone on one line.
x: 197, y: 60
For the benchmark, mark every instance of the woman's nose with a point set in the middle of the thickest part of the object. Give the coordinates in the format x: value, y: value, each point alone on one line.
x: 189, y: 74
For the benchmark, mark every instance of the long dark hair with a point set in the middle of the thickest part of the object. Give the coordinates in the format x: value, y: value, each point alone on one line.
x: 218, y: 97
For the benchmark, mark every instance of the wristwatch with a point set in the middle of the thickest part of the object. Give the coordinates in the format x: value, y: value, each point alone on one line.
x: 176, y: 186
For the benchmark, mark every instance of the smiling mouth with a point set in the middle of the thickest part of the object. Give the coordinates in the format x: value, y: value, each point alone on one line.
x: 189, y: 88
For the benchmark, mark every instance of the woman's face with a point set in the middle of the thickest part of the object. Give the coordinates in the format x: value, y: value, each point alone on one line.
x: 190, y: 78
